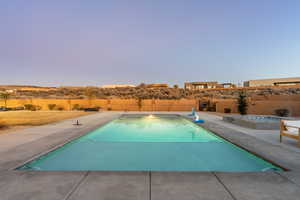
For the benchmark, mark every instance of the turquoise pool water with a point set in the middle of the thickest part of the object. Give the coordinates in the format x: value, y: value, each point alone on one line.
x: 150, y: 143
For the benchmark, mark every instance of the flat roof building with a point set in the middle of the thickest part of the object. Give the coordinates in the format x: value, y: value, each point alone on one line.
x: 228, y: 85
x: 207, y: 85
x: 272, y: 82
x: 200, y: 85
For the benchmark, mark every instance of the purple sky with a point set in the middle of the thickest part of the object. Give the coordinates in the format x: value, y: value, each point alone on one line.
x: 72, y: 42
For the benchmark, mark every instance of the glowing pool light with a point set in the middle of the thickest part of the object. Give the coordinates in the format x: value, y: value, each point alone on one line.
x: 150, y: 116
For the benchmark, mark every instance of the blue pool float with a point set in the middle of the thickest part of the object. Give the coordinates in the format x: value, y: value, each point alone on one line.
x: 197, y: 119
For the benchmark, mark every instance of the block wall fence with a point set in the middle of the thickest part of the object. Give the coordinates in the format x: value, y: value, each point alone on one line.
x: 257, y: 105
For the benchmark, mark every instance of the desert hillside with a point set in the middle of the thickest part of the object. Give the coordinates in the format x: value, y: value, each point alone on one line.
x: 142, y: 92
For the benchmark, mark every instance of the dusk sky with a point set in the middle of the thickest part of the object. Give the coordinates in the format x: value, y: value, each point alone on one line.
x: 94, y: 42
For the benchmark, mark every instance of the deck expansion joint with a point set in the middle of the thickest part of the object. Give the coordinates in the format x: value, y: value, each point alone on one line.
x: 225, y: 187
x: 150, y: 182
x: 288, y: 179
x: 76, y: 186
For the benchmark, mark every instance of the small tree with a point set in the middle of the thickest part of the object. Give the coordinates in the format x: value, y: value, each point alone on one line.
x: 69, y: 103
x: 242, y: 103
x: 5, y: 96
x: 176, y: 86
x: 140, y: 103
x: 90, y: 93
x: 282, y: 112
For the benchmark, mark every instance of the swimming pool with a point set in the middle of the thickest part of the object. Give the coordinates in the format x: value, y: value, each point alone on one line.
x: 149, y: 143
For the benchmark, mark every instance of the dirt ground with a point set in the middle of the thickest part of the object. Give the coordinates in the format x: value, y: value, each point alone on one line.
x: 14, y: 120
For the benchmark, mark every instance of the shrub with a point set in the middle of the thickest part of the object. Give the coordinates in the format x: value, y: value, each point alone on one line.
x: 211, y: 109
x: 38, y: 107
x: 2, y: 124
x: 227, y: 110
x: 51, y: 106
x: 96, y: 109
x: 76, y: 107
x: 29, y: 107
x: 60, y: 108
x: 32, y: 107
x: 282, y: 112
x: 242, y: 103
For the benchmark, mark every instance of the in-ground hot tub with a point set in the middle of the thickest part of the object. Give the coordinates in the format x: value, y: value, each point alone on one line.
x: 262, y: 122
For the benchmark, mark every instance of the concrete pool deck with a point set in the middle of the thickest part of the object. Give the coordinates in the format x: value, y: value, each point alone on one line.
x: 18, y: 147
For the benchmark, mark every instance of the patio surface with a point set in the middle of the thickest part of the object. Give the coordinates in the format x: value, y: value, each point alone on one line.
x: 18, y: 147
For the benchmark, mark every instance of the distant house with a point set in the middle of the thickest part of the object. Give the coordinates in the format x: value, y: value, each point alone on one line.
x: 227, y: 85
x: 118, y: 86
x: 206, y: 85
x: 200, y: 85
x: 14, y: 88
x: 272, y: 82
x: 11, y: 91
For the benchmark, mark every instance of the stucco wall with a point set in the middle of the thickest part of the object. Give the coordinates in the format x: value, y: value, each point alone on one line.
x: 259, y: 104
x: 111, y: 104
x: 264, y: 105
